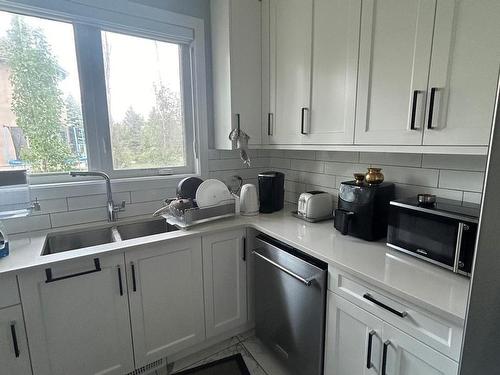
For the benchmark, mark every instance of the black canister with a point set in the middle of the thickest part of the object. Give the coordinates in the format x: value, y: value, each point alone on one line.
x: 271, y: 191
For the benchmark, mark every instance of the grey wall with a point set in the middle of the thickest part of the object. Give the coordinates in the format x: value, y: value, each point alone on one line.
x: 199, y: 9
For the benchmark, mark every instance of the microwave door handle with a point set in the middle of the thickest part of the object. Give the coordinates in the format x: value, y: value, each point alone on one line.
x: 458, y: 247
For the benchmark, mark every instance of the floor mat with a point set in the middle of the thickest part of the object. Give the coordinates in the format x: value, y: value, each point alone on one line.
x: 233, y: 365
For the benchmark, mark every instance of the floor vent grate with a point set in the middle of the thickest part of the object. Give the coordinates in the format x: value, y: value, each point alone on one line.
x: 149, y: 367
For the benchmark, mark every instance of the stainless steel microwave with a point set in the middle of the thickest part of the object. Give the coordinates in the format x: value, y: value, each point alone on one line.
x: 443, y: 233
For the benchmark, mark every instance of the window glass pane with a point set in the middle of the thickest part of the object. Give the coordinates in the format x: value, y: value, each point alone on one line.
x: 41, y: 124
x: 143, y: 84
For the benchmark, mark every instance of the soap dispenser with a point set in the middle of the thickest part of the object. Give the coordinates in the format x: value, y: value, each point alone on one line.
x: 4, y: 241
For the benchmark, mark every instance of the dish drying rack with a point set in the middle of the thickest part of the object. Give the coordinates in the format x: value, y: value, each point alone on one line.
x: 185, y: 219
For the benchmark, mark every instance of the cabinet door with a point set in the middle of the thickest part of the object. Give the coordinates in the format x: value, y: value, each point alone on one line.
x: 290, y: 68
x: 334, y: 72
x: 395, y: 49
x: 14, y: 357
x: 246, y: 67
x: 79, y: 324
x: 408, y: 356
x: 224, y: 273
x: 166, y: 298
x: 464, y: 71
x: 353, y: 339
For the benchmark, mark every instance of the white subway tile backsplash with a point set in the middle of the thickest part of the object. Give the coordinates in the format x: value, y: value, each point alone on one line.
x: 49, y: 206
x: 280, y: 163
x: 342, y: 156
x: 93, y: 201
x: 461, y: 180
x: 474, y: 198
x: 300, y: 154
x: 27, y: 224
x: 295, y: 186
x: 153, y: 195
x: 459, y: 162
x: 316, y: 179
x: 389, y: 158
x: 63, y: 219
x: 213, y: 154
x: 405, y: 191
x: 411, y: 176
x: 344, y: 169
x: 308, y: 165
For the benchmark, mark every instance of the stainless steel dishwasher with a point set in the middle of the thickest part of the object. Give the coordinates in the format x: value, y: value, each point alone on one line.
x: 290, y: 303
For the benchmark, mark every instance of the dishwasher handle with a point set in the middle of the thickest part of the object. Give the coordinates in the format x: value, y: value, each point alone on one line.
x: 306, y: 281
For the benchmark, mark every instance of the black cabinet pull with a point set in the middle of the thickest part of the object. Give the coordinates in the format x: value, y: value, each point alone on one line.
x: 238, y: 124
x: 14, y: 339
x: 369, y: 351
x: 244, y: 249
x: 134, y: 283
x: 269, y: 124
x: 414, y: 109
x: 431, y: 107
x: 384, y: 357
x: 303, y: 120
x: 384, y: 306
x: 50, y: 279
x: 120, y: 283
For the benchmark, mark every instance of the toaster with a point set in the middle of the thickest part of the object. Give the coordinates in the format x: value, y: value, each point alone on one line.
x: 315, y: 205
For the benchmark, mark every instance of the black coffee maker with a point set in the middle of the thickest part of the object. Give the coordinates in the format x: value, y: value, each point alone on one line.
x: 363, y: 209
x: 271, y: 191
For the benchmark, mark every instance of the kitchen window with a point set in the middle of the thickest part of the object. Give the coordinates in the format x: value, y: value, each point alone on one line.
x: 86, y: 96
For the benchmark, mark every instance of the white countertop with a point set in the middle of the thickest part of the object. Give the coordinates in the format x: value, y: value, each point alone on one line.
x: 416, y: 281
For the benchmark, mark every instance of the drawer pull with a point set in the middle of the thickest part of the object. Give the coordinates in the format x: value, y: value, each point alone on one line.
x: 384, y: 306
x: 120, y: 283
x: 369, y: 351
x: 384, y: 356
x: 14, y: 339
x: 134, y: 281
x: 306, y: 282
x: 50, y: 279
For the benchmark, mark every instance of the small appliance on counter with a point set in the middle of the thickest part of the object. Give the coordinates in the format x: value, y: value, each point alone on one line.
x: 440, y: 231
x: 363, y: 208
x: 314, y: 206
x: 271, y: 191
x: 4, y: 242
x: 249, y: 203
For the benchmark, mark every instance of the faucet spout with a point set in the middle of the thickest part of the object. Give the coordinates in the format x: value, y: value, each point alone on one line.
x: 111, y: 206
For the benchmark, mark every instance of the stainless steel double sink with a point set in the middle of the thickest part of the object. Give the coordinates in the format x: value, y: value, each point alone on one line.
x: 79, y: 239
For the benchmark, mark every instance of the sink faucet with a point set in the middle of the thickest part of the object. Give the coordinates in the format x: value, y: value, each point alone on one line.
x: 112, y: 207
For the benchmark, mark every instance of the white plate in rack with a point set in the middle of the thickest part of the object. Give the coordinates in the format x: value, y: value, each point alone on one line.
x: 212, y: 192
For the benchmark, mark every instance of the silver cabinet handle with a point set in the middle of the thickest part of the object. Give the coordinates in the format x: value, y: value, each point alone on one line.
x: 270, y: 124
x: 414, y: 103
x: 303, y: 117
x: 306, y: 282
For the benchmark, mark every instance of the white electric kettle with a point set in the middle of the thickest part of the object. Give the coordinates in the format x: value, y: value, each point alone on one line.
x: 249, y: 203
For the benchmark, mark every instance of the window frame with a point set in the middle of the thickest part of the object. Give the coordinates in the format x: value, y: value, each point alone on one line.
x: 133, y: 19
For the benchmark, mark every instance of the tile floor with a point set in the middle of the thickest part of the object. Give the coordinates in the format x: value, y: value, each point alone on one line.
x: 259, y: 359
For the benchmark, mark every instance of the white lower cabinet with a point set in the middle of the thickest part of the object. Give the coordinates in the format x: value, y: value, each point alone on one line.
x: 14, y: 356
x: 77, y: 317
x: 359, y: 343
x: 225, y: 276
x: 165, y: 286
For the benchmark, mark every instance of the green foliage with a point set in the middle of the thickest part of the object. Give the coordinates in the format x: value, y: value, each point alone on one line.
x: 155, y: 142
x: 36, y: 99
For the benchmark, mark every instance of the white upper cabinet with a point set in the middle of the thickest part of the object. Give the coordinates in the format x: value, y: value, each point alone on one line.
x: 236, y: 67
x: 395, y: 51
x: 334, y: 72
x: 166, y: 298
x: 290, y: 47
x: 225, y: 283
x: 464, y: 69
x: 77, y: 317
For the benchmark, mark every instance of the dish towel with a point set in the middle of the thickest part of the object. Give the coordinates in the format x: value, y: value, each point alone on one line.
x: 241, y: 138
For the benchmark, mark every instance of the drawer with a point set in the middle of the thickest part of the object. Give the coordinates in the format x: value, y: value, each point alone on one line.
x: 9, y: 294
x: 438, y: 333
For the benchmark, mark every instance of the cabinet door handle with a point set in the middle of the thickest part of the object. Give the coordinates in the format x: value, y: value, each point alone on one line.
x: 50, y: 279
x: 270, y: 124
x: 14, y: 339
x: 134, y: 282
x: 369, y: 297
x: 384, y: 357
x: 431, y: 107
x: 414, y: 109
x: 303, y: 120
x: 238, y: 122
x: 120, y: 283
x: 369, y: 350
x: 244, y: 249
